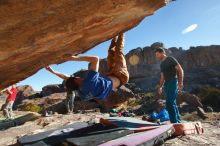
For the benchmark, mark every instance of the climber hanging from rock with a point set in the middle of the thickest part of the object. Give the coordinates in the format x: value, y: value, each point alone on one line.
x: 105, y: 89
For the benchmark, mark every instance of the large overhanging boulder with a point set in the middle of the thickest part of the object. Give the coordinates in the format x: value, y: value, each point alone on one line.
x: 36, y: 33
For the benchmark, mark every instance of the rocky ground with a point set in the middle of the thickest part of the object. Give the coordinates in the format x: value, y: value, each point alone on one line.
x: 210, y: 137
x: 52, y: 97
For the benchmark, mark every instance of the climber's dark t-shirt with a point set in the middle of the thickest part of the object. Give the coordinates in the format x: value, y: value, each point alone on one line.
x: 168, y: 68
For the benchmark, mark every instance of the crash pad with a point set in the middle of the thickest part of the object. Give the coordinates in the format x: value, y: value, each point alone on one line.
x: 64, y: 130
x: 58, y: 137
x: 147, y: 138
x: 188, y: 128
x: 18, y: 121
x: 98, y: 137
x: 39, y: 143
x: 129, y: 123
x: 2, y: 118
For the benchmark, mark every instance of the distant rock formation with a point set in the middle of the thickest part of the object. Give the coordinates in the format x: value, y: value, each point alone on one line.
x: 201, y: 66
x: 51, y: 98
x: 50, y: 89
x: 37, y: 33
x: 24, y: 92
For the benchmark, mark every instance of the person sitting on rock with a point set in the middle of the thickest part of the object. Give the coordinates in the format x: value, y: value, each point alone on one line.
x: 105, y: 89
x: 160, y: 114
x: 7, y: 108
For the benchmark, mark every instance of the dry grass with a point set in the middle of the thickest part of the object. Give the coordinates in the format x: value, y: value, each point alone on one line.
x: 215, y: 116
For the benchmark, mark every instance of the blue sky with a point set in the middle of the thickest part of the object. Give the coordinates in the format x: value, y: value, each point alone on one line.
x: 182, y: 23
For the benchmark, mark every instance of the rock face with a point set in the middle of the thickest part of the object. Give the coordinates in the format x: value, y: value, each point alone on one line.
x: 50, y: 89
x: 55, y: 102
x: 201, y: 66
x: 37, y: 33
x: 51, y: 98
x: 24, y: 92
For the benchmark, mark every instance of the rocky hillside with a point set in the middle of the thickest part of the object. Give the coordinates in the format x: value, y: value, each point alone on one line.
x: 201, y: 66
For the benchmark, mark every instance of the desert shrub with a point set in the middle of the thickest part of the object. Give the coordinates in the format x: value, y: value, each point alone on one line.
x: 150, y: 94
x: 209, y: 96
x: 33, y: 108
x: 134, y: 102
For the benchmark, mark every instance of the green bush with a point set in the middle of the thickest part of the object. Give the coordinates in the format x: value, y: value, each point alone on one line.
x: 33, y: 108
x: 150, y: 94
x: 210, y: 96
x: 135, y: 102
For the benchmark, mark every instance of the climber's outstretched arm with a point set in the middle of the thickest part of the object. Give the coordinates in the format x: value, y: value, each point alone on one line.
x: 62, y: 76
x: 93, y: 60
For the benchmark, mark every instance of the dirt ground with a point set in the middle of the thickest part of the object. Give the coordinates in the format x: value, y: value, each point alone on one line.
x: 210, y: 137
